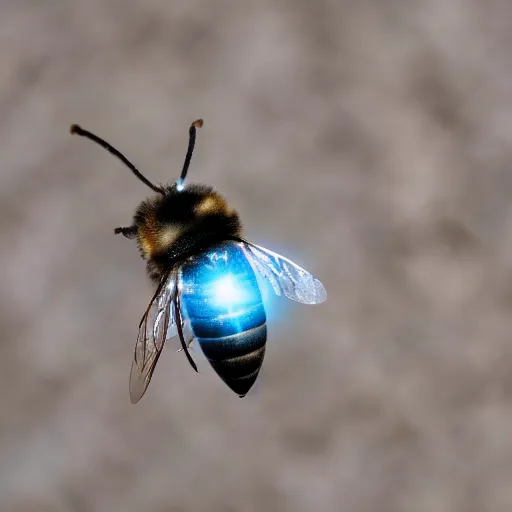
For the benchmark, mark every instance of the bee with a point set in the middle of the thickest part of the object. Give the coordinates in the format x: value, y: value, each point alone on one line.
x: 207, y: 279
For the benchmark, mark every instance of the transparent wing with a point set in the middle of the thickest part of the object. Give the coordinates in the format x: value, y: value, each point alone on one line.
x: 286, y: 277
x: 157, y: 325
x: 162, y: 321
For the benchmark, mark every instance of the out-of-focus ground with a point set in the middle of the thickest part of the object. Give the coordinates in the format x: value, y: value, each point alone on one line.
x: 371, y: 141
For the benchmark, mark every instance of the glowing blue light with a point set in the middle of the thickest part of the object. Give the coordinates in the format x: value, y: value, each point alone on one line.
x: 179, y: 185
x: 227, y: 292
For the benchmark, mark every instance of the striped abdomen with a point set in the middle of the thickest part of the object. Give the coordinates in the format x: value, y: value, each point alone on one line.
x: 222, y: 299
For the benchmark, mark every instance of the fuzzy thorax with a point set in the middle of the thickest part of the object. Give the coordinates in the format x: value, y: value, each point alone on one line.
x: 165, y: 222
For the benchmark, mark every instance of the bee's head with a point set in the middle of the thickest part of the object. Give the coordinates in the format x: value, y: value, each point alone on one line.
x: 176, y: 210
x: 196, y: 211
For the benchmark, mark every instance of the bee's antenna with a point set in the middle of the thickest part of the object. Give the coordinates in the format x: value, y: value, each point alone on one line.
x: 191, y: 142
x: 75, y: 129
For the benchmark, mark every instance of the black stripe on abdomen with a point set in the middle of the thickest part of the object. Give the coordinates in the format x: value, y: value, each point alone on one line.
x: 237, y: 359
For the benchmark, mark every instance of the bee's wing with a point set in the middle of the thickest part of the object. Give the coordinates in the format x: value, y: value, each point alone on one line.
x: 285, y: 276
x: 157, y: 325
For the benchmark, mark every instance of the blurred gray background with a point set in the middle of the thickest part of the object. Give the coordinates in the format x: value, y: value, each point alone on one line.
x: 370, y: 141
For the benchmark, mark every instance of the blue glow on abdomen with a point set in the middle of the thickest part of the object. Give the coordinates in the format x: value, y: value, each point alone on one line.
x: 221, y: 297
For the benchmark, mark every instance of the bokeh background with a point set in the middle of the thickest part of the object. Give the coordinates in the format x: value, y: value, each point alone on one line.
x: 369, y: 140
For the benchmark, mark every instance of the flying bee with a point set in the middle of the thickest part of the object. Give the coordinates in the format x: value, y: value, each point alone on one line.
x: 207, y: 279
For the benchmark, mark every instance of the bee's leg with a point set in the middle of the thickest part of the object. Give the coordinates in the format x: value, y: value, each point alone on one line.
x: 179, y: 322
x: 129, y: 232
x: 188, y: 343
